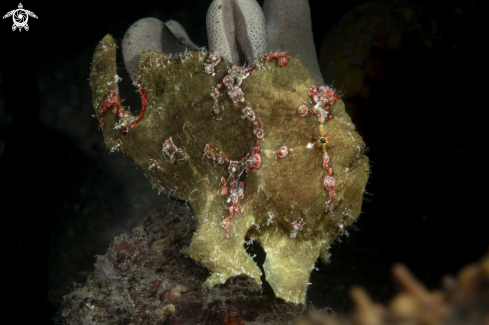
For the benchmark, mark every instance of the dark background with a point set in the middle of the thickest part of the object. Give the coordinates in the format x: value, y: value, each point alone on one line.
x: 64, y: 198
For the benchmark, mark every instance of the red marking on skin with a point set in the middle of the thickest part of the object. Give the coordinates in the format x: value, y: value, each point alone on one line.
x: 248, y: 113
x: 330, y: 183
x: 212, y: 154
x: 248, y: 164
x: 283, y: 151
x: 112, y: 100
x: 144, y: 101
x: 282, y: 58
x: 251, y: 69
x: 313, y: 92
x: 212, y: 60
x: 341, y: 225
x: 225, y: 79
x: 217, y: 94
x: 328, y: 95
x: 255, y: 162
x: 257, y: 148
x: 325, y: 159
x: 332, y: 194
x: 224, y: 189
x: 323, y: 99
x: 326, y: 164
x: 209, y: 152
x: 169, y: 149
x: 116, y: 78
x: 298, y: 224
x: 233, y: 208
x: 302, y: 110
x: 258, y: 132
x: 347, y: 213
x: 241, y: 185
x: 153, y: 164
x: 119, y: 144
x: 164, y: 187
x: 227, y: 221
x: 239, y: 209
x: 233, y: 81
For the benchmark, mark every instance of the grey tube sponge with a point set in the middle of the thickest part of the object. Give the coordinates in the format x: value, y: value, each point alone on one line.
x: 289, y: 28
x: 236, y: 29
x: 177, y: 29
x: 150, y: 34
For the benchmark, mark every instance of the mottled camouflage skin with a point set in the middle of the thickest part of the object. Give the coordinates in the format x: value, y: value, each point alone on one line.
x: 180, y: 106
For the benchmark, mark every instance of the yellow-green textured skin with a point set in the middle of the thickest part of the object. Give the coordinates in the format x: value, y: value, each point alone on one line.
x: 291, y: 187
